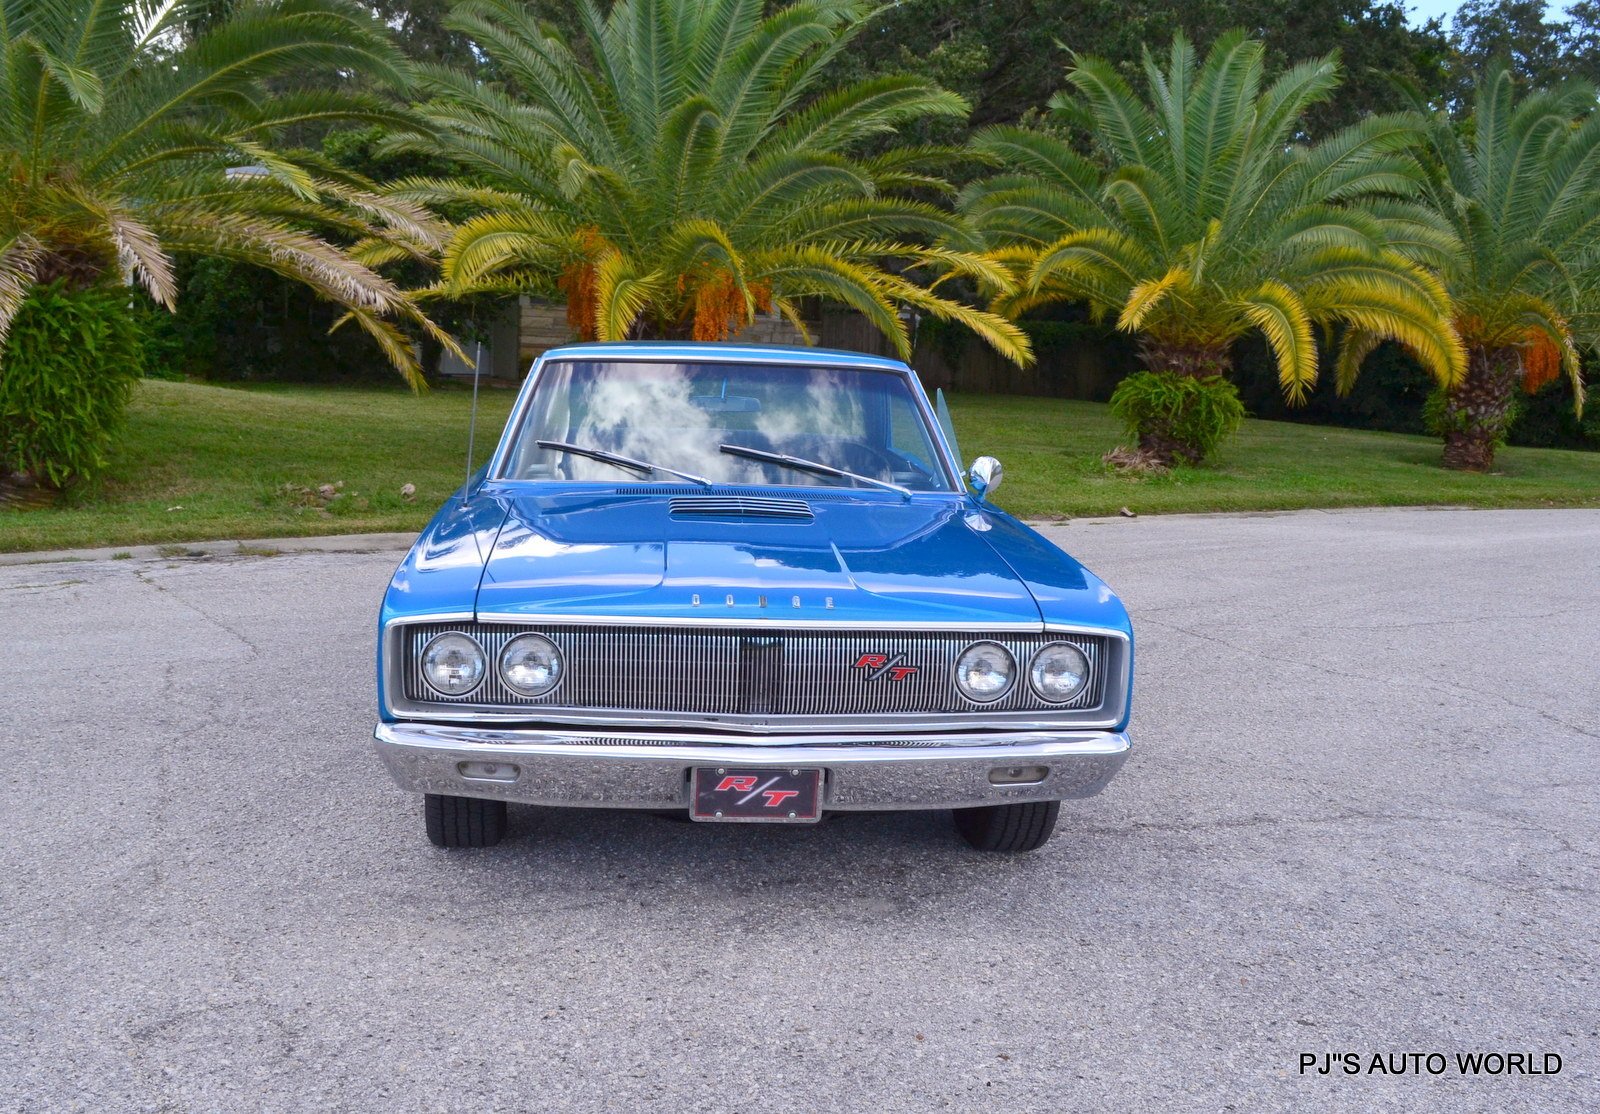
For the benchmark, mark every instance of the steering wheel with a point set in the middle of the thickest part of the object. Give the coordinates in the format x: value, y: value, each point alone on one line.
x: 905, y: 463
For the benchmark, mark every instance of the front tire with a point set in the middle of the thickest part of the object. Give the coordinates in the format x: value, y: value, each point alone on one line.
x: 1008, y: 828
x: 463, y: 821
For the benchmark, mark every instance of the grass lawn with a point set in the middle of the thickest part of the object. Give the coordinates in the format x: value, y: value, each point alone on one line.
x: 198, y: 462
x: 1051, y: 450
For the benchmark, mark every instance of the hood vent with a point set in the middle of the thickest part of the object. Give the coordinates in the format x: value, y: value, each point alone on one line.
x: 739, y: 506
x: 820, y: 495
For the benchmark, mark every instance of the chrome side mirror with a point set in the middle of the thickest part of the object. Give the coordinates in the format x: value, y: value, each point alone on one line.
x: 985, y: 475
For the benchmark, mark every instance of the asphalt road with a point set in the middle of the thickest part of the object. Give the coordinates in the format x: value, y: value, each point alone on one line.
x: 1360, y: 817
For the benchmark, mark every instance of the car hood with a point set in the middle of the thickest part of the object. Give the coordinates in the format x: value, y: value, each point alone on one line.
x: 858, y: 559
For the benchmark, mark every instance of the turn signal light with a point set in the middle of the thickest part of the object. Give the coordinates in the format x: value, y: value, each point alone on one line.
x: 489, y: 771
x: 1018, y: 775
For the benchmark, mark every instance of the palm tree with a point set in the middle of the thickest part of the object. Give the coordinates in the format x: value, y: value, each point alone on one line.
x: 1520, y: 189
x: 1201, y: 218
x: 678, y: 170
x: 126, y: 136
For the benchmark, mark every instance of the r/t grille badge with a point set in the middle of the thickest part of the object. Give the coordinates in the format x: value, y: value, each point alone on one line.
x: 883, y: 665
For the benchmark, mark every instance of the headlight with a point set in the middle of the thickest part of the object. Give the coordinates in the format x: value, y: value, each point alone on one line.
x: 530, y: 665
x: 984, y: 672
x: 1059, y: 672
x: 452, y: 664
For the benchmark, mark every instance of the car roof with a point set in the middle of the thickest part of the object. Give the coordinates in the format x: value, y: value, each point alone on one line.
x: 754, y: 353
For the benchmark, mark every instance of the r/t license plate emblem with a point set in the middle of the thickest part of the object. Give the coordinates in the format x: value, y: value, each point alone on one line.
x: 731, y: 794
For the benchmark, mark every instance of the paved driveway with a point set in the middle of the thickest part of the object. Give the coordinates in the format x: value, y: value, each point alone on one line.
x: 1360, y: 817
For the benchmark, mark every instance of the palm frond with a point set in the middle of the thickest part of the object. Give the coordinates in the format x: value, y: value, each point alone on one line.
x: 495, y: 240
x: 139, y: 251
x: 1281, y: 316
x: 17, y: 260
x: 1105, y: 250
x: 395, y: 345
x: 1147, y: 295
x: 999, y: 332
x: 621, y: 295
x: 1358, y: 344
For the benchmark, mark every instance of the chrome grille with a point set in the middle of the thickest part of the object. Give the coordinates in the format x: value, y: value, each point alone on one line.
x: 744, y: 671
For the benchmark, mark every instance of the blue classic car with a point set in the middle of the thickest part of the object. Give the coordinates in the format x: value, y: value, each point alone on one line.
x: 746, y: 584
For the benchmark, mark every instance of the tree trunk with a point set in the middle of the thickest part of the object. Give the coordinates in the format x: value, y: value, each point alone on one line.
x: 1477, y: 410
x: 1157, y: 446
x: 1156, y: 441
x: 82, y: 267
x: 1198, y: 360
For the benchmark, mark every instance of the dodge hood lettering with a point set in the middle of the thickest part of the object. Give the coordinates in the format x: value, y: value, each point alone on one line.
x: 862, y: 560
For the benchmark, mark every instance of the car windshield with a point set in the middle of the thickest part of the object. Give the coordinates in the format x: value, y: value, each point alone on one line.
x: 678, y: 417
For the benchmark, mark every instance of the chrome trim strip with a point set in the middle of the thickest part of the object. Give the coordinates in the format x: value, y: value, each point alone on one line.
x: 495, y: 470
x: 954, y: 470
x: 751, y: 747
x: 779, y: 619
x: 704, y: 682
x: 1074, y: 628
x: 435, y: 617
x: 621, y: 771
x: 1107, y: 713
x: 884, y: 724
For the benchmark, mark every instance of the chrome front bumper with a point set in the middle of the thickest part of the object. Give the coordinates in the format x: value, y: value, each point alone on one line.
x: 863, y: 773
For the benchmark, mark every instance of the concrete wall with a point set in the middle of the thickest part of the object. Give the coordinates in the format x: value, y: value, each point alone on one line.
x: 770, y: 328
x: 544, y: 325
x: 496, y: 358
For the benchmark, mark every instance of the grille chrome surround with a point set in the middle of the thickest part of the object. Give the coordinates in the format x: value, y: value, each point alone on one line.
x: 760, y: 678
x: 738, y: 506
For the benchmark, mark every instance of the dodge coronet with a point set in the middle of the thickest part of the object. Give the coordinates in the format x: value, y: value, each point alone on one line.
x: 744, y: 584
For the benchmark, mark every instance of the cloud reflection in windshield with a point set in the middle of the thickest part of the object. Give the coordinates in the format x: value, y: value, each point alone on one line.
x: 676, y: 415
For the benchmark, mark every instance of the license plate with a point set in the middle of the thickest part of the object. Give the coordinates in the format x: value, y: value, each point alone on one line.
x: 735, y: 795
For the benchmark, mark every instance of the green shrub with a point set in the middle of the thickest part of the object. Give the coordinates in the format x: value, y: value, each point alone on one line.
x: 1546, y: 419
x: 1177, y: 415
x: 66, y: 371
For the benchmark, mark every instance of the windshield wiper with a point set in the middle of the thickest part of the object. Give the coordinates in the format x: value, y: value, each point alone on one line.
x: 812, y: 466
x: 622, y: 461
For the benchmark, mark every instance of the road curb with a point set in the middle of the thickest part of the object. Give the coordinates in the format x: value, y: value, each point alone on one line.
x: 231, y: 547
x: 378, y: 543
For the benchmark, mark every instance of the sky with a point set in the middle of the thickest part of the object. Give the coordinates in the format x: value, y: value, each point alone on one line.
x: 1420, y: 11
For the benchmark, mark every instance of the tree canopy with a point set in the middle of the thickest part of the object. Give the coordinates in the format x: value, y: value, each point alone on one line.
x: 1200, y: 221
x: 131, y: 130
x: 681, y: 167
x: 1008, y: 56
